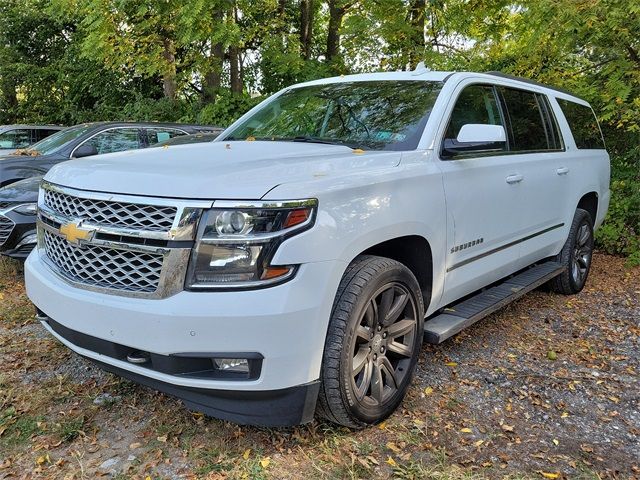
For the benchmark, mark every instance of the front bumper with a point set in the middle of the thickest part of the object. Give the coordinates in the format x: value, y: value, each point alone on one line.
x: 285, y: 324
x: 271, y: 408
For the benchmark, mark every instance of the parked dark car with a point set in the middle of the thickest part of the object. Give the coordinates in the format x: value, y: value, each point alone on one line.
x: 191, y: 138
x: 18, y: 203
x: 86, y: 140
x: 18, y: 199
x: 14, y: 137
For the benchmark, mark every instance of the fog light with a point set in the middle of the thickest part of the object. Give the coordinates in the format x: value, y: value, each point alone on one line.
x: 238, y: 365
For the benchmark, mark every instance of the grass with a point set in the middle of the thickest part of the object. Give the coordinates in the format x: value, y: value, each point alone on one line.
x: 70, y: 429
x: 18, y: 428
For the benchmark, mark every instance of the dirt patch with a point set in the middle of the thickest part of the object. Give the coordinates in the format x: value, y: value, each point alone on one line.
x: 546, y: 388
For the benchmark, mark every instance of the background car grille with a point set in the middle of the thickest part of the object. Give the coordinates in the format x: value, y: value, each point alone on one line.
x: 105, y: 267
x: 6, y: 227
x: 116, y: 214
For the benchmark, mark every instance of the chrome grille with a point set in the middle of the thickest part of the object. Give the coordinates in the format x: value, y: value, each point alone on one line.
x: 109, y: 213
x: 105, y: 267
x: 6, y: 227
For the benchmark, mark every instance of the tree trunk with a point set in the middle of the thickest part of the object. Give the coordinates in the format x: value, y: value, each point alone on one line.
x: 306, y: 28
x: 169, y: 83
x: 9, y: 101
x: 213, y: 76
x: 416, y: 16
x: 234, y: 69
x: 336, y: 14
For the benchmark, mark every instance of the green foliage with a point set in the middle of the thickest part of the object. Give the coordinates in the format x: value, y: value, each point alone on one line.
x: 226, y: 109
x: 620, y: 233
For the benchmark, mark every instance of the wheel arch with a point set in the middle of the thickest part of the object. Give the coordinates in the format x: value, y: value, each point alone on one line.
x: 589, y: 202
x: 413, y: 251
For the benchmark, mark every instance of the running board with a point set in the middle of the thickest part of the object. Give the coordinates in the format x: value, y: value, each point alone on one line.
x: 459, y: 316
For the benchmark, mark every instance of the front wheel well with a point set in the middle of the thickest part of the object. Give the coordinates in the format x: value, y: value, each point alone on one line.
x: 414, y: 252
x: 589, y: 202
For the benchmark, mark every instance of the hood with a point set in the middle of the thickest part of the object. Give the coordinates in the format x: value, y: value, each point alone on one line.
x: 10, y: 157
x: 24, y: 191
x: 223, y: 170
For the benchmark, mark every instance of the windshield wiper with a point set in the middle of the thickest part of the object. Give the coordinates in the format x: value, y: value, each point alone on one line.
x: 309, y: 139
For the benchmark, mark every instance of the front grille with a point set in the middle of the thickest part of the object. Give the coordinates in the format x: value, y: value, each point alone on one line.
x: 4, y: 205
x: 6, y: 227
x: 105, y: 267
x: 113, y: 214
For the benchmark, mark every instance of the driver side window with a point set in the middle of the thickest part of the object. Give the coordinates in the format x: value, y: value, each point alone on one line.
x: 477, y: 105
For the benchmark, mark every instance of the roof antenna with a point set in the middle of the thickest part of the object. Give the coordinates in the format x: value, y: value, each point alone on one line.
x: 420, y: 69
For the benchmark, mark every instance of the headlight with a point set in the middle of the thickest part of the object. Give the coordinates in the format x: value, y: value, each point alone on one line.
x: 237, y: 240
x: 26, y: 209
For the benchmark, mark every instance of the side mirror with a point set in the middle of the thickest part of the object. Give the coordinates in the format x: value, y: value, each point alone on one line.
x: 85, y: 150
x: 474, y: 137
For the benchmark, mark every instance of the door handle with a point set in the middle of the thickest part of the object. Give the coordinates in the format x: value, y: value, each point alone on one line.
x: 562, y: 171
x: 514, y: 178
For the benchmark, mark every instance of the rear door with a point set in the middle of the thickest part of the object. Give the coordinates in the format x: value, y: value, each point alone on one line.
x: 536, y: 146
x: 484, y: 197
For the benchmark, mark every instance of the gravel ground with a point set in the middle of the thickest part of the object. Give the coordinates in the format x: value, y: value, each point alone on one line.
x: 546, y: 388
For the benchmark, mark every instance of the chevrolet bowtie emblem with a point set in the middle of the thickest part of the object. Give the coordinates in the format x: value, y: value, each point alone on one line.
x: 75, y: 233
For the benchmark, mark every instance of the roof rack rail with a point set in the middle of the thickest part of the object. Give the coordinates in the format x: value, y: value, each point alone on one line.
x: 530, y: 82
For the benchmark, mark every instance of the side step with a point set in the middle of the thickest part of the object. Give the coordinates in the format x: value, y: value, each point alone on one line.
x: 459, y: 316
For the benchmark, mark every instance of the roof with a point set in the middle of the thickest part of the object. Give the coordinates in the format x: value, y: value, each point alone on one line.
x: 425, y: 75
x: 150, y: 123
x: 438, y: 76
x: 24, y: 125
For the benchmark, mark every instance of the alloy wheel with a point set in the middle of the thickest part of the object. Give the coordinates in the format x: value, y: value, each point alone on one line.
x: 384, y: 344
x: 582, y: 254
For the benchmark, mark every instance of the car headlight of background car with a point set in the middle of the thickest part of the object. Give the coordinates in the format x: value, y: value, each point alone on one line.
x: 26, y: 208
x: 237, y: 241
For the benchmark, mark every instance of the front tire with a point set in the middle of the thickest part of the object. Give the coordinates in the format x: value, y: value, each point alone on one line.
x: 373, y: 342
x: 576, y: 256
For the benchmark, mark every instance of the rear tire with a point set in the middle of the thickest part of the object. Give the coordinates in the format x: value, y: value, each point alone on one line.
x: 373, y: 342
x: 576, y: 256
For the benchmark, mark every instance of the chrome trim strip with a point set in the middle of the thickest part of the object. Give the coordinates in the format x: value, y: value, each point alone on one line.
x: 503, y: 247
x: 131, y: 247
x: 44, y: 212
x: 241, y: 204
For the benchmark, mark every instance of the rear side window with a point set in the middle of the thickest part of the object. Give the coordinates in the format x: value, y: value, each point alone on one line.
x: 583, y: 124
x: 41, y: 133
x: 158, y: 135
x: 531, y: 127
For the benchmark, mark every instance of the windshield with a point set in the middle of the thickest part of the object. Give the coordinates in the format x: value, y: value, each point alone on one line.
x: 378, y: 115
x: 58, y: 140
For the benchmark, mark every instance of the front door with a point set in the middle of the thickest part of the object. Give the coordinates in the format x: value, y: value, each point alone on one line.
x: 484, y: 197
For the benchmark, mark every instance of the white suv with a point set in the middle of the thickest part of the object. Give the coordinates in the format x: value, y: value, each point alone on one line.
x: 294, y: 265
